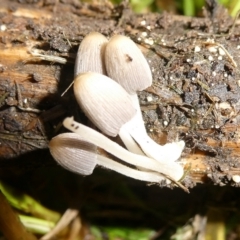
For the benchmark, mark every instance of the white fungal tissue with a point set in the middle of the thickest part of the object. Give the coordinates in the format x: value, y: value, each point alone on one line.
x: 112, y: 104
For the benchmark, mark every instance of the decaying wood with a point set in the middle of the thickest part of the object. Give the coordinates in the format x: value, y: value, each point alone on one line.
x: 38, y: 43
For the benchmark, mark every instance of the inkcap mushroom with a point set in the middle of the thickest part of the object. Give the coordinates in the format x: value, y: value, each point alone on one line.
x: 79, y: 156
x: 90, y: 54
x: 126, y: 65
x: 90, y: 59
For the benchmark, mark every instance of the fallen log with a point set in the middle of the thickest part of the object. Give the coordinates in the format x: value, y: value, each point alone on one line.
x: 195, y: 95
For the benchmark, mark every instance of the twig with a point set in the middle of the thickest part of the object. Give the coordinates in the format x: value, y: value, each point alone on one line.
x: 10, y: 224
x: 67, y: 88
x: 49, y: 58
x: 66, y: 218
x: 234, y: 24
x: 20, y: 102
x: 224, y: 49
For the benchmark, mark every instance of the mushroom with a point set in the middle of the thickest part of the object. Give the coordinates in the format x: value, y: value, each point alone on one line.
x: 173, y: 170
x: 90, y: 59
x: 126, y: 65
x: 110, y: 108
x: 79, y: 156
x: 90, y: 54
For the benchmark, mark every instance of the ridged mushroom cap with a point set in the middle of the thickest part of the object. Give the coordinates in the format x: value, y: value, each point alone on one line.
x: 103, y: 101
x: 90, y: 55
x: 73, y: 153
x: 126, y: 64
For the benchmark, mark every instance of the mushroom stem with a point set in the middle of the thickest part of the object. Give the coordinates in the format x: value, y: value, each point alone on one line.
x: 135, y: 102
x: 152, y: 177
x: 130, y: 143
x: 174, y: 170
x: 135, y: 127
x: 127, y: 139
x: 169, y: 152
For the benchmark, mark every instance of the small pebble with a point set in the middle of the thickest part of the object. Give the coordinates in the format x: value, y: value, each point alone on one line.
x: 236, y: 178
x: 197, y: 49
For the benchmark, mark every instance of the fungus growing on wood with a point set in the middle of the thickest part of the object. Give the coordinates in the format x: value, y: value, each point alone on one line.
x: 75, y: 154
x: 126, y: 65
x: 90, y: 59
x: 90, y: 54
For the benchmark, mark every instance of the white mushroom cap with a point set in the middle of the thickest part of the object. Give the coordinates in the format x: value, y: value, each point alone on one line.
x: 73, y: 153
x: 90, y: 54
x: 126, y: 64
x: 104, y: 102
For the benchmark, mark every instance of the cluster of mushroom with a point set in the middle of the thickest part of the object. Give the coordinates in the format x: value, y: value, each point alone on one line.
x: 108, y: 75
